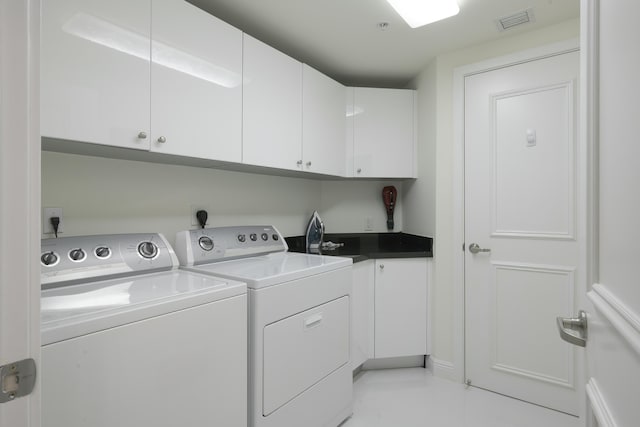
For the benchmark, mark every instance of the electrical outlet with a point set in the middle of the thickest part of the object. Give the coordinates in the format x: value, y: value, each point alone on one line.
x: 48, y: 213
x: 368, y: 224
x: 196, y: 208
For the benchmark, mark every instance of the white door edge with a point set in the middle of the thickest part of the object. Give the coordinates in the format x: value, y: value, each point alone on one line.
x: 459, y: 76
x: 20, y: 199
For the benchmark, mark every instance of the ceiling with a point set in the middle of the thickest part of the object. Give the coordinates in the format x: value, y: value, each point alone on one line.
x: 342, y: 39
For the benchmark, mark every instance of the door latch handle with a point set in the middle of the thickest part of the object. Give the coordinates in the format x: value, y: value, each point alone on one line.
x: 578, y: 324
x: 475, y: 248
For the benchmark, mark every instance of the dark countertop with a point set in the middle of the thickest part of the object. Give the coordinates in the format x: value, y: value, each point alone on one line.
x: 362, y: 246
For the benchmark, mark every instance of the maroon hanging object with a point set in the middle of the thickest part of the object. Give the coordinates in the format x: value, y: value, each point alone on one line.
x: 390, y: 196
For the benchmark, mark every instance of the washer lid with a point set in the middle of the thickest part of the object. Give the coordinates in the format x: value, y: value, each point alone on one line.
x: 267, y: 270
x: 76, y: 310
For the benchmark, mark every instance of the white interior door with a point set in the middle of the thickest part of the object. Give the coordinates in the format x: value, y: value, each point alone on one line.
x: 613, y: 346
x: 19, y: 201
x: 521, y: 206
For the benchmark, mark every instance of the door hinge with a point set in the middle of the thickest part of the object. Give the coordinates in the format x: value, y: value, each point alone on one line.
x: 17, y: 379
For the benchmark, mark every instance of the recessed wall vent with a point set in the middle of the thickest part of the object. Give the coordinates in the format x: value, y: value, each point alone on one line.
x: 516, y: 19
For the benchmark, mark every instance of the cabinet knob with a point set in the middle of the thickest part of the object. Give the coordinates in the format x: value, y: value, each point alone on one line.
x: 142, y: 135
x: 299, y: 163
x: 308, y: 164
x: 381, y: 266
x: 162, y: 140
x: 359, y: 170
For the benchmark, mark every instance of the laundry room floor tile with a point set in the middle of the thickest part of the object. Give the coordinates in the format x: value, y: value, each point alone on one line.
x: 413, y: 397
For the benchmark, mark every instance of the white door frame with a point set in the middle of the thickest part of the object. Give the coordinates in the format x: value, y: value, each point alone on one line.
x: 20, y: 198
x: 459, y: 76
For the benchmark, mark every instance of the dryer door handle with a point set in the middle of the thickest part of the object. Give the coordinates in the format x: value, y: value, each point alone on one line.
x: 313, y: 320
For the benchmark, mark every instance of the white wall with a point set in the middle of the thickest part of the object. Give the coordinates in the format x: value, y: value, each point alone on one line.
x: 100, y: 195
x: 442, y: 297
x: 420, y: 195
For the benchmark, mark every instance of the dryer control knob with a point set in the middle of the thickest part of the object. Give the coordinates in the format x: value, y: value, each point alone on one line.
x: 253, y: 237
x: 205, y: 243
x: 148, y: 250
x: 77, y: 254
x: 242, y: 238
x: 49, y: 258
x: 103, y: 252
x: 264, y: 236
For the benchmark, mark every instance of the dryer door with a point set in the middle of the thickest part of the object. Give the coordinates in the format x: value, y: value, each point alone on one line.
x: 303, y: 349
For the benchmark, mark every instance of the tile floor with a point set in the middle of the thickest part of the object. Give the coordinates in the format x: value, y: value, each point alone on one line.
x: 413, y: 397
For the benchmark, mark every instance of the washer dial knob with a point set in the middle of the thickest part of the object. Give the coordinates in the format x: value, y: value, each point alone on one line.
x: 148, y: 250
x: 49, y: 258
x: 264, y: 236
x: 102, y: 252
x: 206, y: 243
x: 253, y: 237
x: 77, y: 254
x: 242, y: 238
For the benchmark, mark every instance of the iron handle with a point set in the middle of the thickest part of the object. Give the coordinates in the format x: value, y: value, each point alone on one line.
x: 475, y: 248
x: 578, y: 324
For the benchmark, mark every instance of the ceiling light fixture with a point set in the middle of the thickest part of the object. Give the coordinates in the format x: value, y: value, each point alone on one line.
x: 419, y: 13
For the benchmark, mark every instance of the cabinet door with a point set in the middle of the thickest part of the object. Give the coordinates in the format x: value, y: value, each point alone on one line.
x: 362, y: 321
x: 384, y: 144
x: 400, y: 307
x: 196, y: 83
x: 272, y: 107
x: 95, y: 71
x: 323, y: 123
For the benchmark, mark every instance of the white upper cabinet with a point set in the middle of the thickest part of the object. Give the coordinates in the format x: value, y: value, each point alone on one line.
x: 323, y: 123
x: 196, y: 83
x: 272, y: 107
x: 95, y: 71
x: 381, y: 133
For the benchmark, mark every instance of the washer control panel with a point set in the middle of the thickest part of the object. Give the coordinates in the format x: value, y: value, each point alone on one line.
x: 194, y: 247
x: 69, y: 260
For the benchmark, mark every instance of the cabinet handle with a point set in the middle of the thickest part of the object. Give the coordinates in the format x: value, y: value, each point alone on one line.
x: 381, y: 266
x: 299, y: 163
x: 142, y: 135
x: 359, y: 170
x: 308, y: 164
x: 162, y: 140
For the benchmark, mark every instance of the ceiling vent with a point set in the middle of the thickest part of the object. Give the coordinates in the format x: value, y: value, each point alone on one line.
x: 516, y: 19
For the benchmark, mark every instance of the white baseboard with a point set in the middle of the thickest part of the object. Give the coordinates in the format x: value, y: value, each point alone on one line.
x: 443, y: 369
x: 394, y: 362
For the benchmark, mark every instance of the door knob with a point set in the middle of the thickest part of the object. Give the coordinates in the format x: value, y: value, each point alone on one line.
x: 578, y: 324
x: 474, y: 248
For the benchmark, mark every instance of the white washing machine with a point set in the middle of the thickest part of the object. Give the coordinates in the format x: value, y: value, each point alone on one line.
x: 299, y: 305
x: 129, y: 340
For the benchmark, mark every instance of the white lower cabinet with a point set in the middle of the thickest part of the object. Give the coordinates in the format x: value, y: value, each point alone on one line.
x: 400, y: 307
x: 362, y: 303
x: 389, y: 308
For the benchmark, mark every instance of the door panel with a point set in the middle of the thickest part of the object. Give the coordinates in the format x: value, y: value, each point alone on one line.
x: 520, y: 204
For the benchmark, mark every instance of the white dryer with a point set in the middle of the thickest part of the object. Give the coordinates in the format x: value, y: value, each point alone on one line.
x: 299, y: 305
x: 129, y: 340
